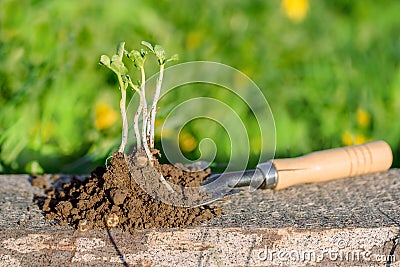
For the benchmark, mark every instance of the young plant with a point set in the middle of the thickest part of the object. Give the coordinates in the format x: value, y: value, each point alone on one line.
x: 160, y: 54
x: 144, y: 136
x: 117, y: 66
x: 139, y: 59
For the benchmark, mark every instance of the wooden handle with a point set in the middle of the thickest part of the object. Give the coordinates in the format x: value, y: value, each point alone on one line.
x: 334, y: 164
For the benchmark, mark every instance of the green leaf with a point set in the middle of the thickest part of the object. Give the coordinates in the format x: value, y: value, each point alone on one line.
x: 125, y: 79
x: 131, y: 55
x: 160, y: 52
x: 173, y: 58
x: 105, y: 60
x: 148, y: 45
x: 137, y: 58
x: 119, y: 68
x: 115, y: 58
x: 143, y: 52
x: 120, y: 50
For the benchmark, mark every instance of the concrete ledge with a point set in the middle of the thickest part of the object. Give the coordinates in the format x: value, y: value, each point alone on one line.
x: 349, y: 222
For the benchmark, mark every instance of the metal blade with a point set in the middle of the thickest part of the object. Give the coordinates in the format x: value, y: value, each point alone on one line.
x: 221, y: 185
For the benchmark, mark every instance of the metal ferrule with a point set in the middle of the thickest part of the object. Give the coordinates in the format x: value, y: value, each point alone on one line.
x: 270, y: 174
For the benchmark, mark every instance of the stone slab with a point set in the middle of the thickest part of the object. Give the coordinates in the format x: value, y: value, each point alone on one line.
x: 348, y: 222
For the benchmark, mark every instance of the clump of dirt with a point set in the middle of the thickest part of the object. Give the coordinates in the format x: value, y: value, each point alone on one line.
x: 111, y: 198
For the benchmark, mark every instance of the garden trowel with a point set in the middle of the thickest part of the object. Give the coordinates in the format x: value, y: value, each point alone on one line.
x: 315, y: 167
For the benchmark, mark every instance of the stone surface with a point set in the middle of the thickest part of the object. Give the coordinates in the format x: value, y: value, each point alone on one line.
x: 348, y: 222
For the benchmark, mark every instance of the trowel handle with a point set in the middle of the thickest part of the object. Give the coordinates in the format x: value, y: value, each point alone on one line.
x: 333, y: 164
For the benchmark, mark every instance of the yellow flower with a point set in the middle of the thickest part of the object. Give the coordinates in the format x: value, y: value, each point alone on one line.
x: 105, y: 116
x: 187, y: 142
x: 361, y: 139
x: 158, y: 127
x: 347, y: 138
x: 363, y: 118
x: 295, y: 10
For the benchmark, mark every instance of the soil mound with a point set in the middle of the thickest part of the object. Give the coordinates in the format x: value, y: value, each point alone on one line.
x: 111, y: 198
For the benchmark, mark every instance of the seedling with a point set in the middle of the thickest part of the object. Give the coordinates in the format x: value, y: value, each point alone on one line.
x: 160, y: 54
x: 117, y: 66
x: 145, y: 135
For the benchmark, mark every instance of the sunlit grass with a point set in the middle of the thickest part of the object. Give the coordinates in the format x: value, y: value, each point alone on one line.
x: 330, y: 71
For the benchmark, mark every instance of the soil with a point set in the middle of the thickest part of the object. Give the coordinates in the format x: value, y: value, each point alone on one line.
x: 111, y: 198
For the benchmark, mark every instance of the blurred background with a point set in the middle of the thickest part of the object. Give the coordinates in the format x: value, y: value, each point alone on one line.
x: 329, y: 69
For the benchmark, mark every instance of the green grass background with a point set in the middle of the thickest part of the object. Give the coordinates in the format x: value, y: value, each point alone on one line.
x: 315, y: 74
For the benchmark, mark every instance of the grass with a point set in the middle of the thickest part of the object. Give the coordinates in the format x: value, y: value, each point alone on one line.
x: 319, y: 74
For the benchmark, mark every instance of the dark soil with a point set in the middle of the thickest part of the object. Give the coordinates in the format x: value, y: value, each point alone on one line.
x: 111, y: 198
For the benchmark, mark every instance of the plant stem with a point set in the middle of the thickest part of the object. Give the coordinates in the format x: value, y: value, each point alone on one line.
x: 136, y: 125
x: 145, y: 116
x: 154, y: 105
x: 166, y: 184
x: 122, y: 106
x: 136, y: 118
x: 142, y: 102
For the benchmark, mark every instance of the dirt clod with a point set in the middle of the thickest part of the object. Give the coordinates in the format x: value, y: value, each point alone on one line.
x: 117, y: 196
x: 40, y: 181
x: 111, y: 198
